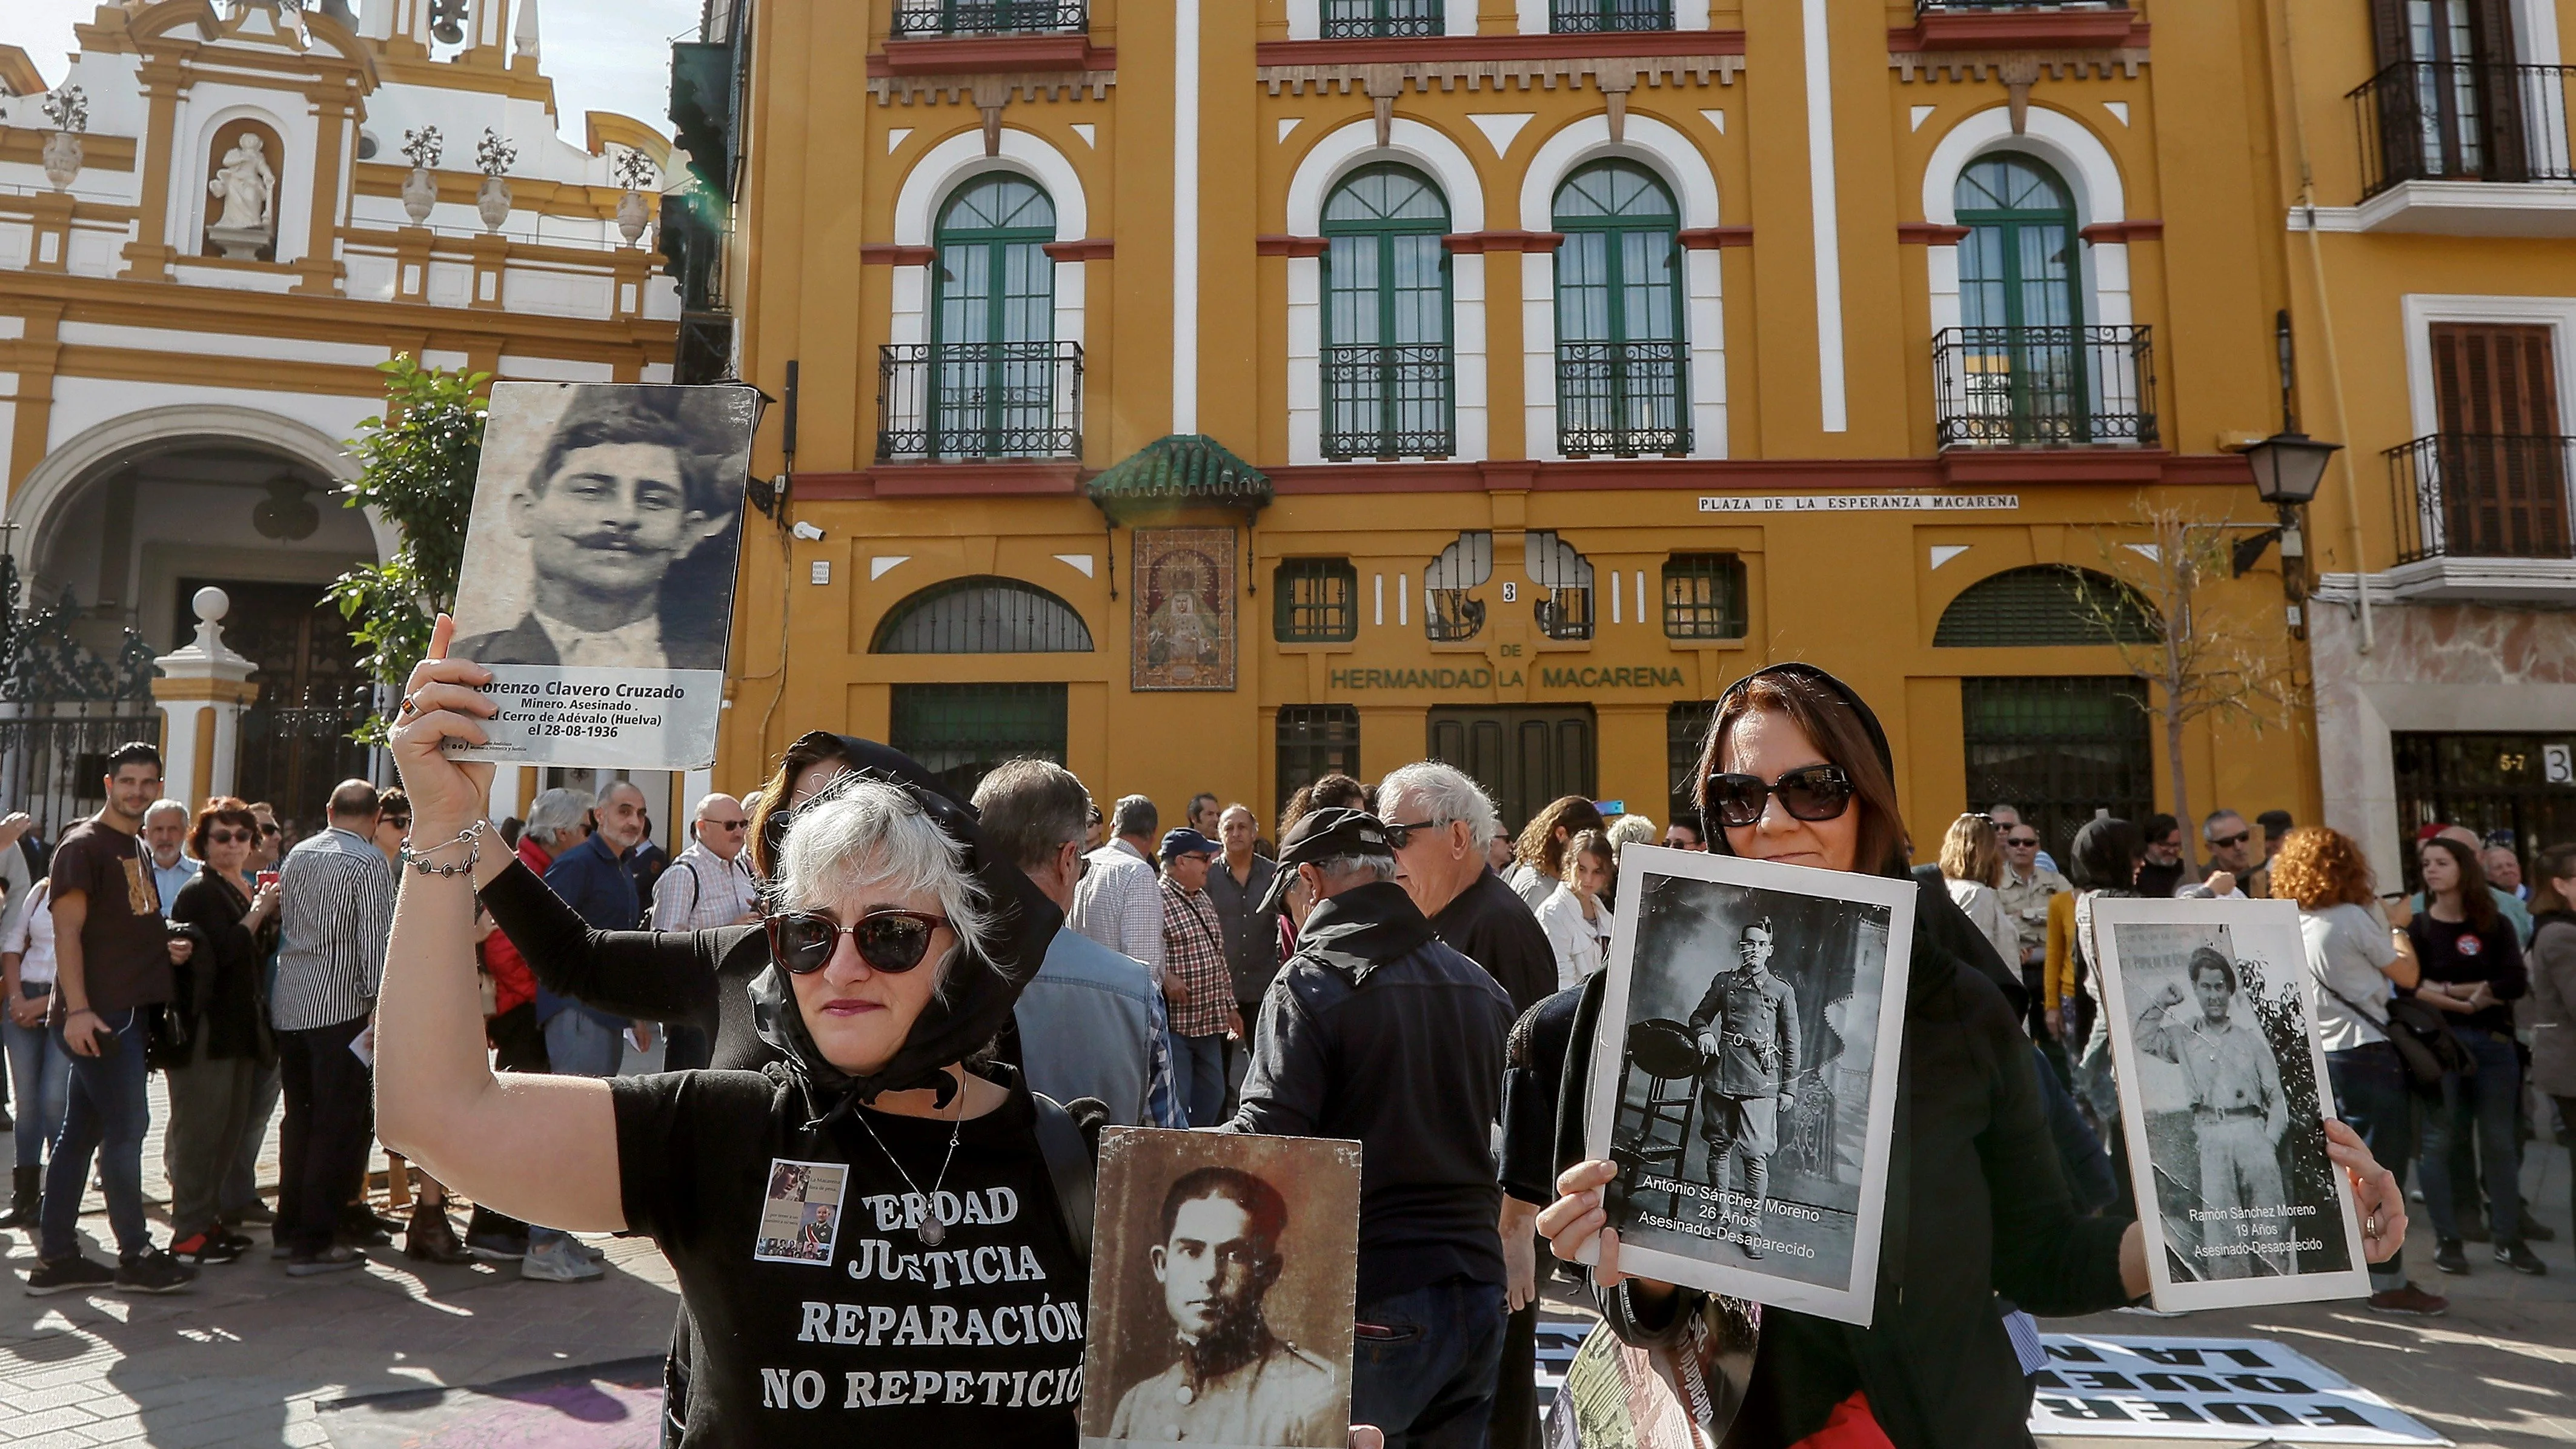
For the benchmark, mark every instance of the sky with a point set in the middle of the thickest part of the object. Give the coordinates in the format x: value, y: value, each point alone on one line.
x: 621, y: 61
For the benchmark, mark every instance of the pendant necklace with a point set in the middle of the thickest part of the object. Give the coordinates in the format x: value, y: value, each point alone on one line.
x: 932, y: 1230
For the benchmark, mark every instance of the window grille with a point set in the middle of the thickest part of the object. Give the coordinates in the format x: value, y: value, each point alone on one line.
x: 960, y: 732
x: 1315, y: 740
x: 2060, y: 749
x: 1703, y: 596
x: 1315, y: 601
x: 1450, y: 611
x: 2045, y: 605
x: 983, y: 615
x: 1564, y: 581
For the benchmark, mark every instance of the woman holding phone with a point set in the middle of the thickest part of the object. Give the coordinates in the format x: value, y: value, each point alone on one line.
x: 221, y: 1003
x: 1796, y: 770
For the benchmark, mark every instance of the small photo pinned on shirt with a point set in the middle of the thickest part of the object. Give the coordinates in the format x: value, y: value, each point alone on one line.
x: 2223, y: 1100
x: 801, y: 1221
x: 1223, y: 1281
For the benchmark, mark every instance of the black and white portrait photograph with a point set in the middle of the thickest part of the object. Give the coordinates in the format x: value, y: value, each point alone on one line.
x: 2222, y: 1099
x: 1745, y: 1075
x: 599, y: 567
x: 1224, y: 1274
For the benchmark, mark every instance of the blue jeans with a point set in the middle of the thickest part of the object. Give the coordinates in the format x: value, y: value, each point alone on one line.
x: 44, y: 1075
x: 1198, y: 1077
x: 2373, y: 1095
x: 1427, y: 1364
x: 578, y: 1046
x: 2488, y: 1099
x: 106, y: 1116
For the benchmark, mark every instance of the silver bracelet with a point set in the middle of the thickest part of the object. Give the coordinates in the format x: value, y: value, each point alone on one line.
x: 472, y: 840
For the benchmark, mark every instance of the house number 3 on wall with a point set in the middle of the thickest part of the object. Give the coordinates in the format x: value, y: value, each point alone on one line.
x: 1511, y: 593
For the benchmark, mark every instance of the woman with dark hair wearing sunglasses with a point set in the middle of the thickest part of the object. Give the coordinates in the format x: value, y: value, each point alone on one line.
x: 1796, y: 770
x: 870, y: 1238
x: 816, y: 759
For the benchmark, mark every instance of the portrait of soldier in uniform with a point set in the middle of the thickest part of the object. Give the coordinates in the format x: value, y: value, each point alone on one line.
x: 1747, y: 1027
x: 1233, y: 1381
x: 2238, y: 1110
x: 626, y: 485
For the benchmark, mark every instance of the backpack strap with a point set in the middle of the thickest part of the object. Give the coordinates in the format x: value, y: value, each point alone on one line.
x: 1069, y: 1165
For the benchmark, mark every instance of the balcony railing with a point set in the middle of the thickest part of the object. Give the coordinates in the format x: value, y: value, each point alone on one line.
x: 2481, y: 495
x: 1623, y: 398
x: 979, y: 400
x: 1389, y: 401
x: 2463, y: 121
x: 2044, y: 387
x: 1382, y: 19
x: 1588, y: 17
x: 921, y: 19
x: 1935, y: 7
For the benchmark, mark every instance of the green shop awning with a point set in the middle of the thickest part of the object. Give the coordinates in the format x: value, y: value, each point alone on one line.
x: 1182, y: 470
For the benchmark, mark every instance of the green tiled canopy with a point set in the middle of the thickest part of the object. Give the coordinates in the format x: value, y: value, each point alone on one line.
x: 1179, y: 471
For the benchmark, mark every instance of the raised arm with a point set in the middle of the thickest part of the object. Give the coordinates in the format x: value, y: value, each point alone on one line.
x: 540, y: 1148
x: 646, y: 975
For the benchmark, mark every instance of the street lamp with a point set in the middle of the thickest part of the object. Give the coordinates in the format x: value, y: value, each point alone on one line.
x: 2289, y: 464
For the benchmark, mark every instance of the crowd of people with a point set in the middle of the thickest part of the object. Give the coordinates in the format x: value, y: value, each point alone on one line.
x: 1383, y: 963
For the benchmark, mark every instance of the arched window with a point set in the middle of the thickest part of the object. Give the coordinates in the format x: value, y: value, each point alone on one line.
x: 994, y: 375
x: 2047, y: 604
x: 982, y: 615
x: 1387, y: 384
x: 2021, y: 304
x: 1620, y: 370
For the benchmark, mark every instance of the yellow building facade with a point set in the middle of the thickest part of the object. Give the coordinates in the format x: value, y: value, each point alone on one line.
x: 2431, y: 264
x: 1212, y: 394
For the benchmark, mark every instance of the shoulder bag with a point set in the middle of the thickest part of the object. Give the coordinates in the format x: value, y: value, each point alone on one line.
x: 2416, y: 1032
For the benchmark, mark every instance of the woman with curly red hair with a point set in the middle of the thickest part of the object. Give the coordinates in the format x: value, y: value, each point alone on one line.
x: 2355, y: 951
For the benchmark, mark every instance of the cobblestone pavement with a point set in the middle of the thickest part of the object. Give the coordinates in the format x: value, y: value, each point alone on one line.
x: 251, y: 1356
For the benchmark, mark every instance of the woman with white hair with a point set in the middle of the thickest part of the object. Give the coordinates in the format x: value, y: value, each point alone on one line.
x: 870, y: 1237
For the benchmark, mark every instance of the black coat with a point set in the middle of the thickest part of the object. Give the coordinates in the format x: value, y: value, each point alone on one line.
x: 1977, y: 1206
x: 217, y: 993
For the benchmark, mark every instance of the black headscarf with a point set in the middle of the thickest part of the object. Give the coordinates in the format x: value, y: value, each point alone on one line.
x: 2105, y: 855
x: 975, y: 1001
x: 1714, y: 836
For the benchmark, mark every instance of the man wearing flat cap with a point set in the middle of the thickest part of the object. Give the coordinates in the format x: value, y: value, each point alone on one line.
x: 629, y: 485
x: 1377, y: 1032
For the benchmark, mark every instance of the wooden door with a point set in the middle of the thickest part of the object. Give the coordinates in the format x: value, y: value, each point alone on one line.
x: 2502, y: 464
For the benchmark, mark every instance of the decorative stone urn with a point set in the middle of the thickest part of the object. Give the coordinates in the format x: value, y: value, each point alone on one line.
x: 62, y: 158
x: 493, y: 201
x: 632, y: 215
x: 419, y: 195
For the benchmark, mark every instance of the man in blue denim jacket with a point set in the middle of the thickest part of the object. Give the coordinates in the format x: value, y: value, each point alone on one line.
x: 1091, y: 1022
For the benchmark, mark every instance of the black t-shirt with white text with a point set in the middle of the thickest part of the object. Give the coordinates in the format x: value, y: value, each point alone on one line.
x: 820, y: 1315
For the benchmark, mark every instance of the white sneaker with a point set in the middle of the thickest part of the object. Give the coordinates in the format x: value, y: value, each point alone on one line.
x: 561, y: 1261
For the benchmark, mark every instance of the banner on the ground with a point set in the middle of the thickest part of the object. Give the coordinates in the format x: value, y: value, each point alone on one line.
x: 2232, y: 1391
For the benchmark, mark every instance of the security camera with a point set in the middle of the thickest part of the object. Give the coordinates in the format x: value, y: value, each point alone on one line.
x: 807, y: 532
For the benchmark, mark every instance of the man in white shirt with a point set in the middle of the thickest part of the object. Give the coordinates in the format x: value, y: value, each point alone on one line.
x: 1119, y: 900
x: 165, y: 834
x: 708, y: 884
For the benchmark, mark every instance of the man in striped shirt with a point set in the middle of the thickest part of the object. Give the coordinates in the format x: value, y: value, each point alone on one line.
x: 336, y: 911
x: 1117, y: 902
x: 1195, y: 980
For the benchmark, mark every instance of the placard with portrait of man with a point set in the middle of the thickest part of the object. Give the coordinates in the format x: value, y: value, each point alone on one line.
x: 599, y: 569
x: 1224, y: 1272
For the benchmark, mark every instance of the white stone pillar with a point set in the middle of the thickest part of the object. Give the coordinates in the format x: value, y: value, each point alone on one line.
x: 201, y: 693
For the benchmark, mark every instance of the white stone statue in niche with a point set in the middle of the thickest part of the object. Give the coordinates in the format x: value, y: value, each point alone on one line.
x: 249, y: 192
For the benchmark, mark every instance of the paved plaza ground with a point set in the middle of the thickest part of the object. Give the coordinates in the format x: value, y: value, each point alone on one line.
x: 358, y: 1360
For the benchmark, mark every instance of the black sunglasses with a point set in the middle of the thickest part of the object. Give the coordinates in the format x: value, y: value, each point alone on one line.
x: 1400, y: 836
x: 2230, y: 842
x: 1812, y: 792
x: 2021, y: 842
x: 891, y: 941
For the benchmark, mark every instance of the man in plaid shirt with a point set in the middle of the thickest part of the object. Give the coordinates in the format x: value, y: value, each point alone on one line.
x: 1195, y: 979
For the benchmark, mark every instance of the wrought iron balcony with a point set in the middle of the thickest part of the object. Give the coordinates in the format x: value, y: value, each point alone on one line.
x: 2481, y: 495
x: 2463, y: 121
x: 2044, y: 387
x: 963, y: 400
x: 1622, y: 398
x: 1382, y: 19
x: 1587, y: 17
x: 923, y: 19
x: 1389, y: 401
x: 1935, y: 7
